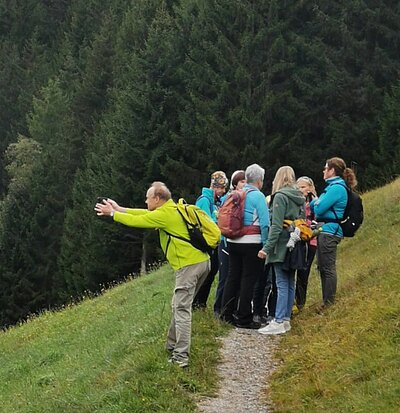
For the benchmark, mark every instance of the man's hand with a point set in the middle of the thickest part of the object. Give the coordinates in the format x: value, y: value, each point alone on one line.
x: 262, y: 254
x: 106, y: 208
x: 115, y: 206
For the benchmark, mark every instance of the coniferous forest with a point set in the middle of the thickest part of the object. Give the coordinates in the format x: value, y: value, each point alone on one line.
x: 102, y: 98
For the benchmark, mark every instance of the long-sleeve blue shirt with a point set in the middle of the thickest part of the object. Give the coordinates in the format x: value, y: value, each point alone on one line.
x: 255, y: 213
x: 206, y: 202
x: 332, y: 200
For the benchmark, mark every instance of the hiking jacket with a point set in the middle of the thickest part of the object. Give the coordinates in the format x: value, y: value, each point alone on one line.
x: 287, y: 203
x: 255, y: 213
x: 165, y: 218
x: 206, y: 202
x: 333, y: 198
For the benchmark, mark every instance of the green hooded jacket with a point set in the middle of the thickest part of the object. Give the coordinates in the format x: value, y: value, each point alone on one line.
x: 165, y: 218
x: 287, y: 203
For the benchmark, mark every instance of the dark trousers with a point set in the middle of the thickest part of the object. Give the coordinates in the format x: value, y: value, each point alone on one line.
x: 223, y: 256
x: 272, y: 290
x: 200, y: 300
x: 264, y: 301
x: 260, y: 293
x: 244, y: 270
x: 302, y: 278
x: 326, y: 254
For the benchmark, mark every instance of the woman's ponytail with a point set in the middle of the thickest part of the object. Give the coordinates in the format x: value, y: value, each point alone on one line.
x: 350, y: 177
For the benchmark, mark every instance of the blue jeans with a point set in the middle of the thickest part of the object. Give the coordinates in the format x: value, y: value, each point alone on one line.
x: 286, y: 285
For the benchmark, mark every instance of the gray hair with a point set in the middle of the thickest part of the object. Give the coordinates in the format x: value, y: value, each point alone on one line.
x: 254, y: 173
x: 161, y: 190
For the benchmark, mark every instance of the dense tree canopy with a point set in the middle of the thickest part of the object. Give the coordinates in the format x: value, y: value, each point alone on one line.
x: 102, y: 100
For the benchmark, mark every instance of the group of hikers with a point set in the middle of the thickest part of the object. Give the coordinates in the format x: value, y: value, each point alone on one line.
x: 260, y: 283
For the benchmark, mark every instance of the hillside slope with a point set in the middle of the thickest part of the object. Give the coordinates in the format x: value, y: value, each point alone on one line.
x: 106, y: 355
x: 348, y: 358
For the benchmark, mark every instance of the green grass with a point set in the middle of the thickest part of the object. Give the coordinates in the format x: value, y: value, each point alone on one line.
x: 348, y: 359
x: 107, y: 355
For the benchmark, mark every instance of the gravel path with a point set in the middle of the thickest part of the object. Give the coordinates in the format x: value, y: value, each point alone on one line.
x: 247, y: 361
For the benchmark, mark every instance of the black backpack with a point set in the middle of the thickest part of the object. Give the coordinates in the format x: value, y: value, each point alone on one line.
x: 353, y: 215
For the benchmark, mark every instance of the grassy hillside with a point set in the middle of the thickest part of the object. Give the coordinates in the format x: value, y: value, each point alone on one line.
x: 106, y: 355
x: 348, y: 359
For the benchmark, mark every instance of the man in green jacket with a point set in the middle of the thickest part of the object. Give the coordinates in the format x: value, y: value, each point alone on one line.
x: 190, y: 264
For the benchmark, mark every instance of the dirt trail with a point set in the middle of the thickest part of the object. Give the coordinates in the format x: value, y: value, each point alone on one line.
x: 247, y: 361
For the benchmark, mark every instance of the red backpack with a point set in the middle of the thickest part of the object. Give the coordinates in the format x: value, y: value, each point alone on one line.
x: 231, y: 214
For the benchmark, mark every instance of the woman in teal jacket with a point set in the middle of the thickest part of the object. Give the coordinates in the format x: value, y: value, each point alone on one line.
x: 330, y: 206
x: 209, y: 201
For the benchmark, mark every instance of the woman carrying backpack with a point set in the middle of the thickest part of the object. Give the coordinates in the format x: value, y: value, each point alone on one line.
x: 287, y: 203
x: 245, y: 266
x: 238, y: 181
x: 327, y: 208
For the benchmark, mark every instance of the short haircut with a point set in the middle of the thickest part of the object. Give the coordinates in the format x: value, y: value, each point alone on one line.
x: 236, y: 177
x: 254, y: 173
x: 161, y: 190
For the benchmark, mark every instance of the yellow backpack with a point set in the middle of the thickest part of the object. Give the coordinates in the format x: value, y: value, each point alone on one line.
x: 306, y: 233
x: 203, y: 232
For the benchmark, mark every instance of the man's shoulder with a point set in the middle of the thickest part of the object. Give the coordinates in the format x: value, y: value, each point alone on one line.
x: 166, y: 207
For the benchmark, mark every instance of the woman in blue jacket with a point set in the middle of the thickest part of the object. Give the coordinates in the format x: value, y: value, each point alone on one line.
x: 245, y: 267
x: 330, y: 206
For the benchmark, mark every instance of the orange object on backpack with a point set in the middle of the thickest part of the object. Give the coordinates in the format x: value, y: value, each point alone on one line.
x: 306, y: 233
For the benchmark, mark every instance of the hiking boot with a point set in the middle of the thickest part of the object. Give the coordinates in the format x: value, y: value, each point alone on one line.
x: 287, y: 326
x: 273, y: 328
x: 183, y: 364
x: 261, y: 319
x: 252, y: 325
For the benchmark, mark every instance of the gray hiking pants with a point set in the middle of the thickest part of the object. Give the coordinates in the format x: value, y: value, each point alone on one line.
x: 188, y: 281
x: 326, y: 254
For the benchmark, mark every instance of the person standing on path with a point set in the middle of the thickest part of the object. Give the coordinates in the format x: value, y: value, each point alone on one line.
x: 238, y: 181
x: 190, y: 264
x: 287, y: 203
x: 245, y: 267
x: 330, y: 205
x: 210, y: 201
x: 307, y: 188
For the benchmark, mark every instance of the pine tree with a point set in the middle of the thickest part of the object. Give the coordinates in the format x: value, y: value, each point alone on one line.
x: 33, y: 224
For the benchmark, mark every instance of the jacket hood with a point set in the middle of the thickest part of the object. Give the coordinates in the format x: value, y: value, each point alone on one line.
x: 293, y: 194
x: 208, y: 192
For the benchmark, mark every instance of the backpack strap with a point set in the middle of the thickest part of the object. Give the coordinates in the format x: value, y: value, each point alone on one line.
x: 177, y: 236
x: 249, y: 229
x: 338, y: 220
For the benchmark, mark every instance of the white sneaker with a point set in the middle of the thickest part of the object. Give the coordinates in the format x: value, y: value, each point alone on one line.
x: 287, y: 326
x: 273, y: 328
